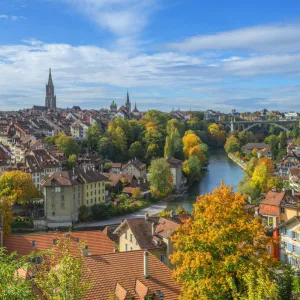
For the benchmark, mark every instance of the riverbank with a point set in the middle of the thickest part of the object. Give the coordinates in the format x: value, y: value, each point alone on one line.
x: 151, y: 210
x: 238, y: 161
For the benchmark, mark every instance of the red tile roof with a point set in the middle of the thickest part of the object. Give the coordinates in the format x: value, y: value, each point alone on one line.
x: 113, y: 273
x: 97, y: 242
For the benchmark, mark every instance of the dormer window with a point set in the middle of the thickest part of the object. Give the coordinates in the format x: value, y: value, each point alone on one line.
x: 33, y: 243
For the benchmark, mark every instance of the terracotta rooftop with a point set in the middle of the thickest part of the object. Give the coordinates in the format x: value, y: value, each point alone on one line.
x: 97, y: 242
x: 122, y: 274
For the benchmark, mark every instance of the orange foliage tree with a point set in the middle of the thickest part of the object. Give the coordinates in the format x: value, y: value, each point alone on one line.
x: 221, y: 251
x: 15, y: 187
x: 268, y: 163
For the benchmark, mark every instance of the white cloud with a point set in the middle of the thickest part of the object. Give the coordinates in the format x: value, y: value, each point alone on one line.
x: 268, y: 38
x: 93, y: 76
x: 14, y: 18
x: 3, y: 16
x: 121, y: 17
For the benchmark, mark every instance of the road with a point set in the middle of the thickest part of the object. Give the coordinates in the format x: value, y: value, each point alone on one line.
x: 151, y: 210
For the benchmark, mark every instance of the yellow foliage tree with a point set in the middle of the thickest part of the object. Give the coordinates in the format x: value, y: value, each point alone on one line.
x: 189, y: 141
x: 18, y: 186
x: 221, y: 251
x: 268, y: 163
x: 195, y: 151
x: 260, y: 177
x: 136, y: 193
x: 15, y: 187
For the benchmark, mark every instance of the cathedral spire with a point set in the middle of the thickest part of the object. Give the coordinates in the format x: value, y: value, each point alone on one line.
x: 128, y: 104
x: 50, y: 100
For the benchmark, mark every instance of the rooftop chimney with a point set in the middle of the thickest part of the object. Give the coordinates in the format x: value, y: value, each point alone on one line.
x: 146, y: 264
x: 153, y: 229
x: 86, y: 250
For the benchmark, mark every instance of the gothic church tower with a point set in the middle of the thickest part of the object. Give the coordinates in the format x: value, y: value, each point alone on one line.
x: 50, y: 100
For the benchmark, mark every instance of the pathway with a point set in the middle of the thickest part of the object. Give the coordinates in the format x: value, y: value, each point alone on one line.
x: 151, y: 210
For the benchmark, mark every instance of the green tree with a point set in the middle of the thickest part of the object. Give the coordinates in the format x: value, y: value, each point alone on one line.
x: 83, y: 213
x: 13, y: 286
x: 153, y: 151
x: 160, y: 177
x: 283, y: 139
x: 93, y: 135
x: 136, y: 150
x: 105, y: 147
x: 273, y: 142
x: 67, y: 145
x: 221, y: 251
x: 72, y: 161
x: 192, y: 168
x: 60, y: 274
x: 232, y: 144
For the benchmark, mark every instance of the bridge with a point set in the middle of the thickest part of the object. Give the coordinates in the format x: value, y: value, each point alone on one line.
x: 247, y: 125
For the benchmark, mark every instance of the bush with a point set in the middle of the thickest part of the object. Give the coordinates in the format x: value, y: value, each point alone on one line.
x: 83, y: 213
x: 21, y: 223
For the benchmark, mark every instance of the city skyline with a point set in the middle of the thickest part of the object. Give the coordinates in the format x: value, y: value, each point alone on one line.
x: 184, y: 55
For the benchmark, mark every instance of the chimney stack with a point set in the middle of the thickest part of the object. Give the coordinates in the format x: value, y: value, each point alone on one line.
x: 153, y: 229
x: 146, y: 265
x: 86, y: 251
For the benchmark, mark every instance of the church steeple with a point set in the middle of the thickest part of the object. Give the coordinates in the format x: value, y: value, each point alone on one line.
x: 50, y: 100
x: 128, y: 104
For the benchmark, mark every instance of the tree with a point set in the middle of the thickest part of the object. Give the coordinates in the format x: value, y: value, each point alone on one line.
x: 72, y: 161
x: 195, y: 151
x: 136, y: 193
x: 272, y: 141
x: 268, y: 163
x: 181, y: 210
x: 189, y: 141
x: 160, y: 177
x: 13, y: 286
x: 153, y: 151
x: 93, y: 135
x: 83, y: 213
x: 260, y: 177
x: 60, y: 274
x: 67, y: 145
x: 192, y: 168
x: 283, y: 139
x: 221, y: 251
x: 18, y: 186
x: 232, y: 144
x: 105, y: 147
x: 136, y: 150
x: 6, y: 212
x: 119, y: 142
x: 217, y: 135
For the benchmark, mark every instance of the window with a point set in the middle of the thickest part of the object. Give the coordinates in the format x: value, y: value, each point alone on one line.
x: 87, y: 194
x: 131, y: 237
x: 54, y: 241
x: 98, y: 191
x: 126, y: 247
x: 33, y: 243
x: 294, y: 235
x: 131, y: 248
x: 91, y: 193
x: 126, y: 235
x: 162, y: 258
x: 99, y: 184
x: 282, y: 210
x: 293, y: 248
x: 95, y: 185
x: 53, y: 214
x: 269, y: 249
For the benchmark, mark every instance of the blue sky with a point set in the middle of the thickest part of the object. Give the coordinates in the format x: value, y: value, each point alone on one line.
x: 181, y: 53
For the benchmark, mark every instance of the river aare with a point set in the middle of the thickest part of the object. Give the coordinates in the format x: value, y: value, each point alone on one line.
x: 220, y: 167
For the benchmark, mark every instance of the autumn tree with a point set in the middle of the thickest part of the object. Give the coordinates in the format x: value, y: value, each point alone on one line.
x: 60, y: 274
x: 15, y: 187
x: 18, y: 186
x: 13, y: 286
x: 136, y: 193
x: 221, y: 251
x: 217, y: 135
x: 189, y: 140
x: 232, y: 144
x: 181, y: 210
x: 160, y: 177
